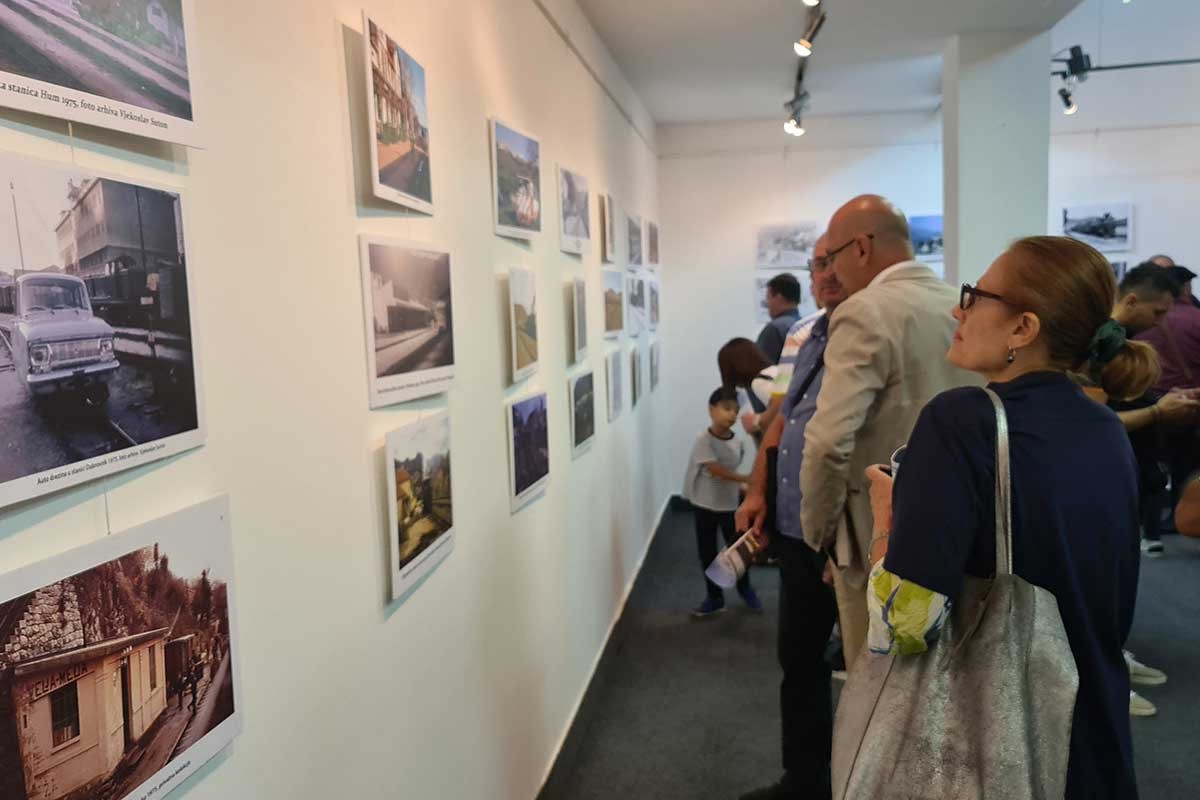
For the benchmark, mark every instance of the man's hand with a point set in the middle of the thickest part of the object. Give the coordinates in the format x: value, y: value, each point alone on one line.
x: 752, y: 513
x: 750, y: 422
x: 1178, y: 407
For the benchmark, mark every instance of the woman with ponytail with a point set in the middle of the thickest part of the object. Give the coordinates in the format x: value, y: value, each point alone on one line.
x: 1039, y: 314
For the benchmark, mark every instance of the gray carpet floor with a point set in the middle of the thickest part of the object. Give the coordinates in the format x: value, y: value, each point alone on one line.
x: 683, y: 708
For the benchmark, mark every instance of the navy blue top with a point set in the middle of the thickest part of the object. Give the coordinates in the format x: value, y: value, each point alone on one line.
x: 1075, y: 533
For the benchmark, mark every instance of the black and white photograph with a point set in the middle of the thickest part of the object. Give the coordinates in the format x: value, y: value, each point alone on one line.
x: 608, y: 230
x: 652, y: 243
x: 635, y: 292
x: 786, y: 246
x: 925, y: 230
x: 575, y: 229
x: 581, y: 327
x: 409, y: 318
x: 616, y: 384
x: 614, y: 303
x: 633, y: 224
x: 528, y: 449
x: 97, y: 372
x: 581, y: 389
x: 522, y: 296
x: 420, y: 503
x: 399, y: 112
x: 1107, y: 227
x: 119, y: 662
x: 516, y: 182
x: 653, y: 312
x: 114, y: 64
x: 635, y: 376
x: 655, y: 362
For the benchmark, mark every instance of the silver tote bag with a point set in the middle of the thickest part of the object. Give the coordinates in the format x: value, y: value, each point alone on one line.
x: 985, y: 713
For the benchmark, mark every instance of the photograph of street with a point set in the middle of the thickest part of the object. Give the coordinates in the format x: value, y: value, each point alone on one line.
x: 616, y: 385
x: 581, y: 337
x: 614, y: 303
x: 522, y: 297
x: 410, y: 319
x: 576, y: 222
x: 95, y: 328
x: 786, y: 246
x: 635, y: 290
x: 120, y: 65
x: 110, y: 674
x: 635, y: 372
x: 517, y: 183
x: 528, y: 448
x: 1107, y: 227
x: 634, y: 224
x: 654, y: 310
x: 583, y: 411
x: 421, y: 507
x: 400, y: 119
x: 655, y: 359
x: 652, y: 243
x: 608, y: 230
x: 925, y: 230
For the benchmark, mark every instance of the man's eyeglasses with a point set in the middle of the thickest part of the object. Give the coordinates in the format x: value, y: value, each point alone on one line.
x: 969, y: 294
x: 830, y: 255
x: 818, y: 265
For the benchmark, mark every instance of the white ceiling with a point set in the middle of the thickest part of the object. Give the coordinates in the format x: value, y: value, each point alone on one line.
x: 723, y: 60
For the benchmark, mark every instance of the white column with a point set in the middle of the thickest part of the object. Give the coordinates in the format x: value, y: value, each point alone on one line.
x: 996, y: 145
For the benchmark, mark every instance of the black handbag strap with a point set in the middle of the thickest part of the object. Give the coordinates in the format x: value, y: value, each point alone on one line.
x: 812, y: 375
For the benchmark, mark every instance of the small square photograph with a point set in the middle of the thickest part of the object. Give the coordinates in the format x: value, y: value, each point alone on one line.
x: 634, y: 224
x: 786, y: 246
x: 516, y: 178
x: 652, y: 243
x: 655, y: 360
x: 528, y: 449
x: 614, y: 303
x: 522, y: 296
x: 652, y: 287
x: 614, y: 370
x: 575, y: 231
x: 1106, y: 227
x: 926, y: 234
x: 420, y: 507
x: 635, y: 373
x: 608, y: 231
x: 409, y: 319
x: 581, y: 340
x: 582, y: 388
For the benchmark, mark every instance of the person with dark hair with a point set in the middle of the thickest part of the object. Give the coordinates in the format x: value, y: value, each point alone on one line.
x: 744, y: 366
x: 711, y: 484
x: 1041, y: 311
x: 783, y: 304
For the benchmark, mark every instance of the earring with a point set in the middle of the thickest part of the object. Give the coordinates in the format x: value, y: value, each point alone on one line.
x: 1012, y: 355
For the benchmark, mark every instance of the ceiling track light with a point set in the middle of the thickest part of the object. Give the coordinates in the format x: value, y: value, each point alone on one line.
x: 804, y: 45
x: 815, y: 3
x: 1069, y: 106
x: 793, y: 127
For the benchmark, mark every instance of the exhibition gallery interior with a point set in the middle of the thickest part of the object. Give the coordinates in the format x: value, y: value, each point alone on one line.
x: 588, y: 399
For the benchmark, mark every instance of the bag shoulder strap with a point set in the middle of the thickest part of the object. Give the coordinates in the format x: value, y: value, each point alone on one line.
x: 812, y: 375
x: 1003, y: 489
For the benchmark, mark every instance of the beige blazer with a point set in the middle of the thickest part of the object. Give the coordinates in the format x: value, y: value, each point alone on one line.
x: 885, y: 360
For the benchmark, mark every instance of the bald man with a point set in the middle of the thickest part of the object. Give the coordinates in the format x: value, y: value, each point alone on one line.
x: 886, y: 359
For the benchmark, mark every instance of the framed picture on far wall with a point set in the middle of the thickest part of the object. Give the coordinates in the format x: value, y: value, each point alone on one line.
x: 528, y: 449
x: 655, y: 363
x: 608, y: 231
x: 118, y: 65
x: 409, y: 316
x: 575, y: 217
x: 786, y: 246
x: 634, y: 226
x: 98, y: 372
x: 635, y: 376
x: 581, y: 389
x: 399, y: 117
x: 926, y: 233
x: 635, y: 291
x: 516, y: 182
x: 522, y: 298
x: 652, y: 244
x: 420, y: 501
x: 1108, y: 227
x: 614, y: 370
x: 580, y: 326
x: 614, y: 303
x: 654, y: 312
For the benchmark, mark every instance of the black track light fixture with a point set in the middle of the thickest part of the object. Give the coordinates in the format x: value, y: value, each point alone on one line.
x: 1069, y: 107
x: 804, y: 45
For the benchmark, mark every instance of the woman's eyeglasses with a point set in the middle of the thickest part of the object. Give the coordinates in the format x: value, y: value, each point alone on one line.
x: 969, y: 294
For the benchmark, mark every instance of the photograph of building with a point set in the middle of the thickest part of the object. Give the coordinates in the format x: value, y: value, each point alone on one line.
x: 522, y: 296
x: 926, y: 234
x: 786, y: 246
x: 583, y: 411
x: 410, y: 319
x: 1107, y: 227
x: 517, y: 183
x: 110, y: 674
x: 614, y: 303
x: 652, y: 243
x: 634, y: 225
x: 421, y: 503
x: 608, y: 230
x: 120, y: 65
x: 616, y: 384
x: 95, y: 324
x: 581, y: 335
x: 528, y: 448
x: 400, y: 120
x: 576, y: 220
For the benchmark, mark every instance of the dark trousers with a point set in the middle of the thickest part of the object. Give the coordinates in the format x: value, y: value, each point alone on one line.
x: 707, y: 523
x: 807, y: 611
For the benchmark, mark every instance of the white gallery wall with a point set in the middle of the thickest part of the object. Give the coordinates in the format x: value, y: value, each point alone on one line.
x: 466, y: 689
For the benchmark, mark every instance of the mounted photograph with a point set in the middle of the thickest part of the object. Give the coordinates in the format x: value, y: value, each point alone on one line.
x: 516, y: 182
x: 635, y: 376
x: 400, y: 121
x: 581, y: 389
x: 925, y: 230
x: 654, y: 312
x: 786, y: 246
x: 528, y: 450
x: 608, y: 230
x: 581, y: 328
x: 1107, y: 227
x: 655, y: 363
x: 119, y: 662
x: 420, y: 503
x: 614, y: 303
x: 633, y: 224
x: 115, y: 64
x: 522, y: 298
x: 635, y: 291
x: 575, y: 226
x: 408, y: 310
x: 97, y: 372
x: 652, y: 244
x: 614, y: 370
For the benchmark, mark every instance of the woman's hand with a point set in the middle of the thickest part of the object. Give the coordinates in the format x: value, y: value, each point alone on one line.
x: 881, y: 505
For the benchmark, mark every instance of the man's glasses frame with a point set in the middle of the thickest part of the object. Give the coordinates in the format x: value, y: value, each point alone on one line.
x: 826, y: 261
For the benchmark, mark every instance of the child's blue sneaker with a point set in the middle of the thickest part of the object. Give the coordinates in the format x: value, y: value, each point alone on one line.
x: 710, y: 606
x: 751, y: 599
